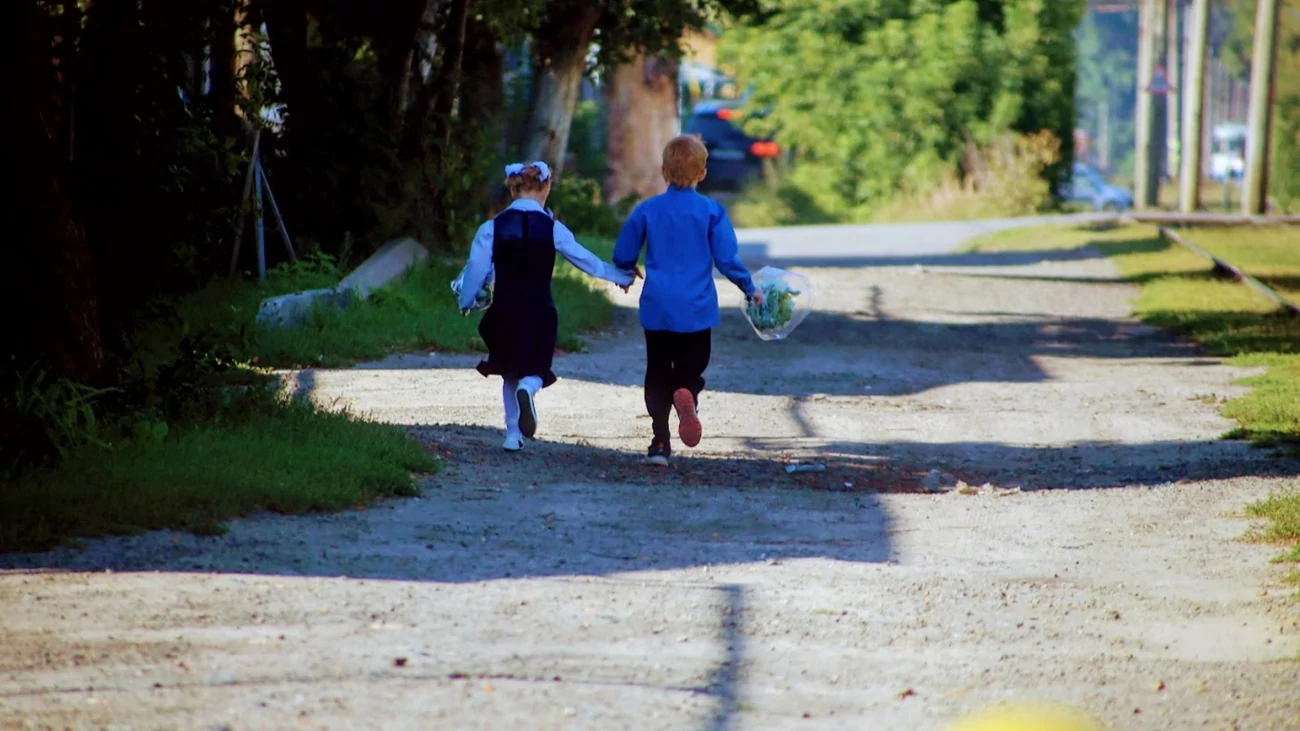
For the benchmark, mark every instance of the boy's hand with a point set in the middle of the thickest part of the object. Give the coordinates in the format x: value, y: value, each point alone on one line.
x: 635, y: 273
x: 757, y: 298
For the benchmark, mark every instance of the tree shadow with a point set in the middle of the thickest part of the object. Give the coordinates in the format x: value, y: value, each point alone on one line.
x: 602, y: 511
x: 596, y: 513
x: 860, y: 354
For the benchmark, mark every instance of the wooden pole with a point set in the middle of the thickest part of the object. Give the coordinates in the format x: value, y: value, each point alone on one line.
x: 1263, y: 59
x: 1144, y: 194
x: 1173, y: 62
x: 1198, y: 20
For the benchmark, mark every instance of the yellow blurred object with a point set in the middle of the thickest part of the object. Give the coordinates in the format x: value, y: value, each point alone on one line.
x: 1027, y: 718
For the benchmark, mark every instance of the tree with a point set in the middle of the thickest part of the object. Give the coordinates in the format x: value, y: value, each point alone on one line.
x: 56, y: 249
x: 623, y: 29
x: 887, y: 96
x: 643, y: 116
x: 1107, y: 81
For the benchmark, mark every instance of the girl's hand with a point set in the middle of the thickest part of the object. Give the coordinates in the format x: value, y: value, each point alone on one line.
x: 757, y: 298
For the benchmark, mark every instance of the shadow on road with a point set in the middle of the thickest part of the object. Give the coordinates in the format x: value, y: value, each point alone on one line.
x: 865, y: 353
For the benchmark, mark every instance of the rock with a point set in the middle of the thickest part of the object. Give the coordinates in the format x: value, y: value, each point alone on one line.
x: 289, y: 310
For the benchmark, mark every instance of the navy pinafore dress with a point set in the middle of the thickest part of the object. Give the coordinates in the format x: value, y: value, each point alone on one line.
x: 521, y: 326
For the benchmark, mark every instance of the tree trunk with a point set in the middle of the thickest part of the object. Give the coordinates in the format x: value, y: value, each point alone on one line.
x: 286, y: 25
x: 483, y: 101
x: 559, y: 60
x: 69, y: 306
x: 453, y: 61
x: 429, y: 72
x: 395, y: 41
x: 643, y: 117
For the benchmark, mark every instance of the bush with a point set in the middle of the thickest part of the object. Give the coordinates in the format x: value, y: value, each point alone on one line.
x: 1003, y: 178
x: 578, y: 202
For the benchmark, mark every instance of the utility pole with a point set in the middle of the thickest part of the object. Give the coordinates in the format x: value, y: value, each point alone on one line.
x: 1198, y: 23
x: 1173, y: 46
x: 1145, y: 193
x: 1254, y: 193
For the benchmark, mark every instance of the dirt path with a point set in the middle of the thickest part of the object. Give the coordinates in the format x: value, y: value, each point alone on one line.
x: 570, y: 587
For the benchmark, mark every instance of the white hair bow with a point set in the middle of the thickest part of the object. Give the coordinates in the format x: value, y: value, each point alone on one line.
x: 515, y: 168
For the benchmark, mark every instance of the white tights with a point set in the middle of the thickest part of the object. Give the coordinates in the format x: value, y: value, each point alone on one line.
x: 509, y: 386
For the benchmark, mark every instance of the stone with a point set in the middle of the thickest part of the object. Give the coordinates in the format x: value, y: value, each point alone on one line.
x: 289, y: 310
x: 390, y: 262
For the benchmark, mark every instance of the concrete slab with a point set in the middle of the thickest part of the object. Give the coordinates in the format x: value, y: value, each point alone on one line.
x: 390, y: 262
x: 387, y: 264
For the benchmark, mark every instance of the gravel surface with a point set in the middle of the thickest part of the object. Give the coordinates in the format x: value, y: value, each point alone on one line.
x: 1091, y: 559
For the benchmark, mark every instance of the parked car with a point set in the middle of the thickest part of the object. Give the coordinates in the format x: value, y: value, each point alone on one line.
x: 1228, y: 160
x: 1089, y: 187
x: 734, y: 157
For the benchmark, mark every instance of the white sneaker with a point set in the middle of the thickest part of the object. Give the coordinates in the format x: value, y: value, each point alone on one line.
x: 527, y: 412
x: 513, y: 443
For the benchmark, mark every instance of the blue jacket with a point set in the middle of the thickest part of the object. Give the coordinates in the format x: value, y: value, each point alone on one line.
x: 685, y: 236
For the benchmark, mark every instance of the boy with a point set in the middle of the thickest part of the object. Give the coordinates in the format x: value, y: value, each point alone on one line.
x: 685, y: 236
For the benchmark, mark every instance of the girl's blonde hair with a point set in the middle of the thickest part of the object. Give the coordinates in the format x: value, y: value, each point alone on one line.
x: 530, y: 178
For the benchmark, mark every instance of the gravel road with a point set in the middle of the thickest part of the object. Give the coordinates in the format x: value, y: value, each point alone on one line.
x: 570, y: 587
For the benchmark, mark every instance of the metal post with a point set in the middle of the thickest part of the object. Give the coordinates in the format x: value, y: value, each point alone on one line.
x: 1254, y: 184
x: 1189, y: 197
x: 1173, y: 62
x: 275, y: 210
x: 243, y: 201
x: 257, y: 222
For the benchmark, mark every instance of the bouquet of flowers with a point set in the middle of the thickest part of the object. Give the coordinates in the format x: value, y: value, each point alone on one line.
x: 787, y: 300
x: 483, y: 299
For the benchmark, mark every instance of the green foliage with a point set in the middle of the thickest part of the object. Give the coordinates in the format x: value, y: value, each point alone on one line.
x: 1282, y: 510
x: 587, y: 139
x: 1107, y: 83
x: 45, y: 418
x: 578, y: 202
x: 1004, y: 178
x: 778, y: 200
x: 777, y: 308
x: 881, y: 97
x: 417, y: 312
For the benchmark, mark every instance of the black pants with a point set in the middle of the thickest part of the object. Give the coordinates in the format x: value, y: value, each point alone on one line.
x: 672, y: 361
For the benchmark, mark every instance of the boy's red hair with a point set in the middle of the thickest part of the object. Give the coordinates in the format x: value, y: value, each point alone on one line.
x: 685, y: 159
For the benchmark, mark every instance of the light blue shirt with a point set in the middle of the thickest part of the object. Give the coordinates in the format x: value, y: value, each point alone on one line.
x: 480, y: 255
x: 685, y: 236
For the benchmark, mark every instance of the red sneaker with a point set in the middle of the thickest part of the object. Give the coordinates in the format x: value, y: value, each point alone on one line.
x: 689, y: 428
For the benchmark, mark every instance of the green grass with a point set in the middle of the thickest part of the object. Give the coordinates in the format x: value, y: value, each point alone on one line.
x: 283, y: 457
x: 415, y: 313
x: 221, y: 462
x: 1180, y: 292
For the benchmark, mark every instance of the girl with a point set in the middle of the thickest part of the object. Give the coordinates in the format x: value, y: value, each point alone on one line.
x: 520, y: 326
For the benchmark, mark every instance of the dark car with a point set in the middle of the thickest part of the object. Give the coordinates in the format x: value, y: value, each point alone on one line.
x: 1087, y: 185
x: 734, y: 157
